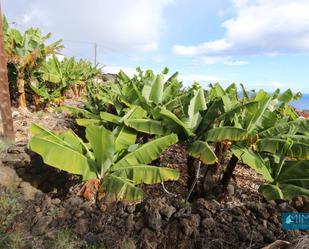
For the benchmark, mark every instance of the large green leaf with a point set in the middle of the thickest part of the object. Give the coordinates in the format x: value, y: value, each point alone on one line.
x: 122, y: 188
x: 277, y: 146
x: 264, y: 101
x: 37, y: 130
x: 271, y: 192
x: 62, y: 157
x: 210, y: 116
x: 254, y: 160
x: 69, y: 137
x: 102, y: 143
x: 147, y: 174
x: 296, y: 138
x: 135, y: 112
x: 202, y: 151
x: 289, y: 96
x: 148, y: 126
x: 237, y: 110
x: 78, y: 112
x: 197, y: 104
x: 147, y: 152
x: 297, y: 126
x: 175, y: 121
x: 282, y: 191
x: 153, y: 89
x: 87, y: 121
x: 244, y: 93
x: 170, y: 90
x: 290, y: 191
x: 110, y: 117
x: 294, y: 171
x: 226, y: 133
x: 125, y: 138
x: 217, y: 90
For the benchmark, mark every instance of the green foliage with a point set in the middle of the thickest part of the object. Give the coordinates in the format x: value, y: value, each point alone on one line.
x: 30, y: 70
x: 55, y: 77
x: 26, y: 52
x: 255, y: 125
x: 120, y: 168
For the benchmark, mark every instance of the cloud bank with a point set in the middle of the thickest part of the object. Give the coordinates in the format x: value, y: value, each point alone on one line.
x: 260, y: 27
x: 117, y: 25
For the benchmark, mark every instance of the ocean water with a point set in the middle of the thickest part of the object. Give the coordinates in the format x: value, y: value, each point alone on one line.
x: 302, y: 103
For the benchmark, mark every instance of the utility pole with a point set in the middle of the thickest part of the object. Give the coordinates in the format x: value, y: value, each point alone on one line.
x: 5, y: 101
x: 95, y: 54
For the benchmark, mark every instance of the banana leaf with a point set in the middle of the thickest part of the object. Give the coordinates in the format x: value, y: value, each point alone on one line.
x: 253, y: 160
x: 226, y: 133
x: 147, y: 174
x: 202, y: 151
x: 122, y: 188
x: 277, y: 146
x: 102, y: 143
x: 148, y: 126
x: 147, y: 152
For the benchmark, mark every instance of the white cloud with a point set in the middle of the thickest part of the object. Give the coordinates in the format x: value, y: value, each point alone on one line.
x: 202, y: 78
x: 270, y: 85
x: 209, y: 48
x: 233, y: 62
x: 259, y: 27
x: 115, y: 25
x: 226, y: 60
x: 156, y: 59
x: 277, y: 84
x: 188, y: 79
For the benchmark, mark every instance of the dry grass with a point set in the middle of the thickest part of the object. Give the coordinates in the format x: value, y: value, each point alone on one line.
x: 301, y: 243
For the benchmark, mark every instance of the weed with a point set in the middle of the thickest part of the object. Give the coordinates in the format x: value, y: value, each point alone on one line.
x: 9, y: 209
x: 53, y: 212
x: 63, y: 240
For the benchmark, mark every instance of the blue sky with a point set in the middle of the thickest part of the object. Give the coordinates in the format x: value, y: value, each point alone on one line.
x: 260, y: 43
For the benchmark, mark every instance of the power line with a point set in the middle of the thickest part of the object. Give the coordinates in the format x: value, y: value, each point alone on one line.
x: 94, y: 44
x: 76, y: 41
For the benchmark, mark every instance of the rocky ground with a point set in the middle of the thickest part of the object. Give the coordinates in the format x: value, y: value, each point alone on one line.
x: 41, y: 207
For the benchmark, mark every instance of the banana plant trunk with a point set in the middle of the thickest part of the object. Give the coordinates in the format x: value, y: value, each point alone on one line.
x: 75, y: 90
x: 219, y: 149
x: 5, y: 103
x: 21, y: 89
x: 191, y: 170
x: 229, y: 171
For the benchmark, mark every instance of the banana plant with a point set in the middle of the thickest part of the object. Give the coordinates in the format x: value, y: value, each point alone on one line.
x: 27, y: 52
x: 257, y: 126
x: 188, y: 126
x: 285, y: 179
x: 55, y: 77
x: 146, y: 89
x: 119, y: 169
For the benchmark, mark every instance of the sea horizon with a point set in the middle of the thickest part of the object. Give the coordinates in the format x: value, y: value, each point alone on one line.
x: 302, y: 103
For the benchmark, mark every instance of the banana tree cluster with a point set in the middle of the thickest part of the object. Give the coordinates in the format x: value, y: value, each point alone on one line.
x: 219, y: 128
x: 260, y: 128
x: 25, y: 53
x: 35, y: 72
x: 55, y: 77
